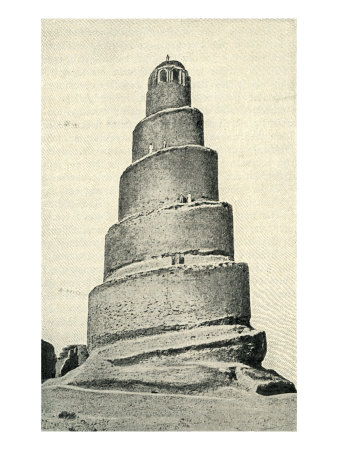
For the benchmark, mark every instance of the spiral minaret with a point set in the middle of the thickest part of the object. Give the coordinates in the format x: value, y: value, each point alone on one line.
x: 172, y: 293
x: 169, y: 261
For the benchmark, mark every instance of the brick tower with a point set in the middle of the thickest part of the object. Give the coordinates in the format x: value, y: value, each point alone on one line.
x: 174, y: 306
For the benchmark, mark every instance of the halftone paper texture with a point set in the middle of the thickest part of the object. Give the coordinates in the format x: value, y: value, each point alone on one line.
x: 94, y: 80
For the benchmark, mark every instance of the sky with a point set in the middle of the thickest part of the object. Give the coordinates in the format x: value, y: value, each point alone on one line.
x: 94, y: 82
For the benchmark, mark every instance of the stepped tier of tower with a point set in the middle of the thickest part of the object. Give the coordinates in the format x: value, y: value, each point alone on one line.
x: 160, y: 178
x: 169, y: 298
x: 170, y: 230
x: 169, y: 261
x: 174, y: 126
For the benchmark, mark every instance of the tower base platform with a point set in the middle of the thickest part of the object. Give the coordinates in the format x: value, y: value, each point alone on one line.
x: 207, y: 360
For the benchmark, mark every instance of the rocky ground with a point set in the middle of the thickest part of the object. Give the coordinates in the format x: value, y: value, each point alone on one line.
x: 71, y: 408
x: 208, y: 378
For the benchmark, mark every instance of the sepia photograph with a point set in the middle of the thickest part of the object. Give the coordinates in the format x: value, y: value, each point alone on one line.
x: 169, y: 225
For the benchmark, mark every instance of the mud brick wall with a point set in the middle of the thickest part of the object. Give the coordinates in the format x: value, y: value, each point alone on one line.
x: 169, y: 298
x: 199, y: 227
x: 175, y: 127
x: 158, y: 179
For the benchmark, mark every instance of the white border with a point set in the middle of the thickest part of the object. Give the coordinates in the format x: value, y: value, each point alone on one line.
x: 317, y: 174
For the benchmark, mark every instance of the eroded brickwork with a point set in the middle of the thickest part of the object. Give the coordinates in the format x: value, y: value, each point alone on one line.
x: 159, y: 179
x: 168, y: 298
x: 169, y: 128
x: 169, y: 231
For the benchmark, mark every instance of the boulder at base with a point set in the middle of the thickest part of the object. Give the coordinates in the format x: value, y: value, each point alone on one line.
x: 48, y: 360
x: 70, y: 357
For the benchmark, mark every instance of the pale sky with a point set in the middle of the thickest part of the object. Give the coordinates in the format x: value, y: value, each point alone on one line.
x: 94, y: 83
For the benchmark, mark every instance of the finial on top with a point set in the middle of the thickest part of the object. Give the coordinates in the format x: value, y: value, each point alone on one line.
x: 167, y: 57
